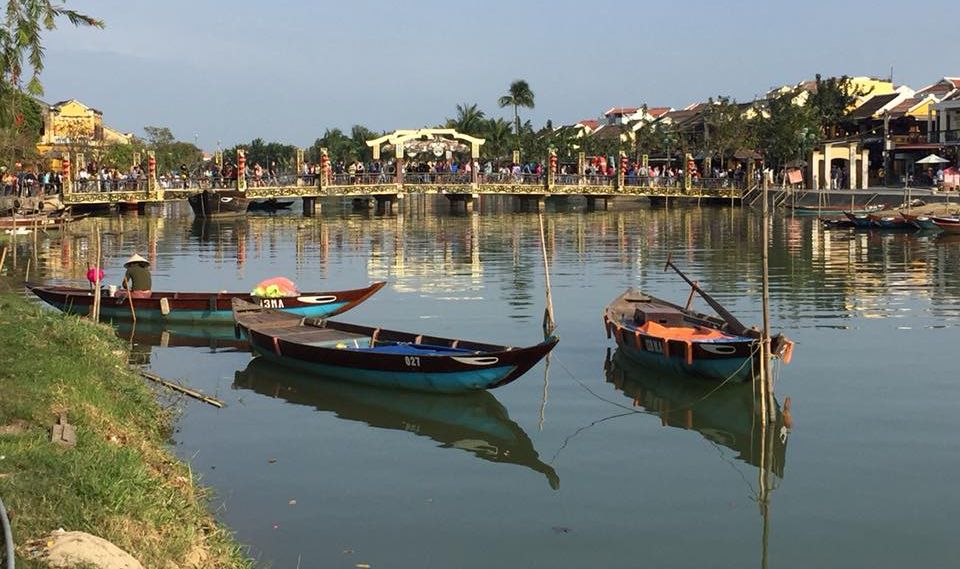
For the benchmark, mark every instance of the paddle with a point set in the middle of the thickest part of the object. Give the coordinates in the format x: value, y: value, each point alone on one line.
x: 735, y: 325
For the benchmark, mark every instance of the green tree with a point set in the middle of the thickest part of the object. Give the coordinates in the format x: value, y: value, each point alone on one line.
x: 519, y: 95
x: 170, y: 152
x: 120, y: 156
x: 20, y: 38
x: 469, y: 120
x: 832, y: 101
x: 787, y: 130
x: 727, y: 130
x: 496, y: 133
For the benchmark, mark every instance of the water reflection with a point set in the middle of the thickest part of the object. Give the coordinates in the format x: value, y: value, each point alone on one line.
x: 476, y: 422
x: 724, y: 416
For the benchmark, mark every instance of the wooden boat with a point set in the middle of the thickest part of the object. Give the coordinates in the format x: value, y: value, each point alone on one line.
x: 832, y: 210
x: 948, y: 224
x: 272, y: 204
x: 919, y: 221
x: 889, y: 221
x: 219, y: 203
x: 655, y: 332
x: 387, y: 358
x: 471, y: 422
x: 40, y: 220
x: 725, y: 417
x: 836, y: 223
x: 198, y: 307
x: 859, y: 220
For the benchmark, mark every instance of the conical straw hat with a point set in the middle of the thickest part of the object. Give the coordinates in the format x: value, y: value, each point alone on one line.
x: 136, y: 259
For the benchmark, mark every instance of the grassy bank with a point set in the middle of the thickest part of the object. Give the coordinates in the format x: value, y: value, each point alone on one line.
x: 119, y: 482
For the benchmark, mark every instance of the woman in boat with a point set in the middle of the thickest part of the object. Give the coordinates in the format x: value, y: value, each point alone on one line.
x: 137, y: 278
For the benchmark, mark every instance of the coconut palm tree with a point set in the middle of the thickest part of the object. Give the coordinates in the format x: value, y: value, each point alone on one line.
x: 496, y: 132
x: 469, y: 119
x: 518, y: 96
x: 20, y: 36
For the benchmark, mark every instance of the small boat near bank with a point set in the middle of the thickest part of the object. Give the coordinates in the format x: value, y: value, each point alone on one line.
x: 655, y: 332
x: 385, y: 358
x: 947, y: 224
x: 198, y: 307
x: 40, y: 220
x: 832, y: 210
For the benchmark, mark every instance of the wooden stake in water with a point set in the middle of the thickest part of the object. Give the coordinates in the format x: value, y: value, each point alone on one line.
x: 96, y: 279
x: 549, y: 324
x: 765, y: 338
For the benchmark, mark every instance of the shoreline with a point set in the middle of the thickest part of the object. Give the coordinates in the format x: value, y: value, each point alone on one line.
x: 120, y: 482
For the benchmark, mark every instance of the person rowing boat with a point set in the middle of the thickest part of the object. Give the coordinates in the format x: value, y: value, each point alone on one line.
x: 137, y: 278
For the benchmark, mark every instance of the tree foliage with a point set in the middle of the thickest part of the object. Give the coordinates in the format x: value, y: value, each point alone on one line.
x: 20, y: 38
x: 832, y: 101
x: 259, y: 152
x: 519, y: 95
x: 171, y: 153
x: 787, y: 130
x: 469, y: 120
x: 727, y: 129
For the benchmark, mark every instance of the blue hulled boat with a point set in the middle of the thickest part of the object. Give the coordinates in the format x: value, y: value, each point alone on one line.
x: 387, y: 358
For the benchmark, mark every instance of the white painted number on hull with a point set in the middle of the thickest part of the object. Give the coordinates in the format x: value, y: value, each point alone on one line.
x: 412, y: 361
x: 271, y: 302
x: 655, y: 346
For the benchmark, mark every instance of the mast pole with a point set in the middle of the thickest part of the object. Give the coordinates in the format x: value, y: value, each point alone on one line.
x: 765, y: 384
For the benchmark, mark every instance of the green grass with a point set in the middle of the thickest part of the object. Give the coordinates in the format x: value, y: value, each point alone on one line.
x: 120, y: 482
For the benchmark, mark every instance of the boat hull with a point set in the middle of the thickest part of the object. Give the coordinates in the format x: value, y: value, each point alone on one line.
x: 220, y: 203
x: 383, y: 358
x: 728, y: 370
x: 948, y: 225
x: 199, y: 308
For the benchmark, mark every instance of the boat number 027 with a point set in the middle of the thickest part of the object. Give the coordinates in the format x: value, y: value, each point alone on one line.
x: 412, y: 361
x: 655, y: 346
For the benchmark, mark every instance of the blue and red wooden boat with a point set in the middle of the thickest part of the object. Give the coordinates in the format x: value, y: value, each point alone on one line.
x: 859, y: 220
x: 387, y: 358
x: 198, y: 307
x: 657, y: 333
x: 919, y: 221
x: 897, y: 221
x: 948, y: 224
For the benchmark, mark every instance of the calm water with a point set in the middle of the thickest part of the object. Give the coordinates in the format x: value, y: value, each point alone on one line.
x: 585, y: 462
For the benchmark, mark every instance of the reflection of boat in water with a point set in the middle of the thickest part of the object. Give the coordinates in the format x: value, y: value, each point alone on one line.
x: 475, y: 422
x: 163, y: 335
x: 723, y: 416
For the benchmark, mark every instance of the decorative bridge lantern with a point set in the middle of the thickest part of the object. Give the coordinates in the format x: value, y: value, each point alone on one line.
x: 66, y: 180
x: 241, y: 170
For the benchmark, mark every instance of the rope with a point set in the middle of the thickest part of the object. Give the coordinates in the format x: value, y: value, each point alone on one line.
x: 7, y: 537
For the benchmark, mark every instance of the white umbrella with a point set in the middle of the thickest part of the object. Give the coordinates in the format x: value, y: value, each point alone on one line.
x: 933, y: 159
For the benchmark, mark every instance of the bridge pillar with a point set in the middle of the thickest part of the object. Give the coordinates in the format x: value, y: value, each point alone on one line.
x: 551, y: 169
x: 595, y: 203
x: 323, y: 176
x: 66, y: 175
x: 298, y: 174
x: 530, y: 203
x: 688, y: 173
x: 241, y: 170
x: 621, y: 171
x: 581, y: 167
x: 461, y: 202
x: 151, y: 171
x: 311, y: 206
x: 386, y: 203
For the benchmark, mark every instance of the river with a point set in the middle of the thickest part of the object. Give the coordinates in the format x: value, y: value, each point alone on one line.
x: 584, y: 461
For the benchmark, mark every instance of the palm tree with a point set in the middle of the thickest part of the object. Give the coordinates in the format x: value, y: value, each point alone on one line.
x: 469, y: 119
x: 20, y: 36
x: 496, y: 132
x: 518, y: 96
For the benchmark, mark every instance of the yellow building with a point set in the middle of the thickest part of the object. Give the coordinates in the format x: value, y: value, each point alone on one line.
x: 869, y: 86
x: 71, y: 126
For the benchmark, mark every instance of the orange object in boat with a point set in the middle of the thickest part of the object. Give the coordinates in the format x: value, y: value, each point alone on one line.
x: 682, y: 333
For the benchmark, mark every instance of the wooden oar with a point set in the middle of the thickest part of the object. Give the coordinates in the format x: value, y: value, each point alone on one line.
x: 735, y: 325
x: 133, y: 312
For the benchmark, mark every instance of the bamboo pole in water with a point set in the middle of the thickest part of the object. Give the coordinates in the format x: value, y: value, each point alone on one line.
x: 765, y: 338
x: 3, y: 258
x: 96, y: 279
x: 549, y: 324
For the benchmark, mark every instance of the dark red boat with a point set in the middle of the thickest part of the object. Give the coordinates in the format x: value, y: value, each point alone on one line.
x: 199, y: 307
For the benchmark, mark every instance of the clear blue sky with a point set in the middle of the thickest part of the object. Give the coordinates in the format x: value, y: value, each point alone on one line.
x: 288, y: 69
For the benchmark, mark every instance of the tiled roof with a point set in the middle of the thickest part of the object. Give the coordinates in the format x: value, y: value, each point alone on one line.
x: 657, y: 112
x: 941, y: 88
x: 589, y: 123
x: 904, y: 107
x: 621, y: 111
x: 872, y: 106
